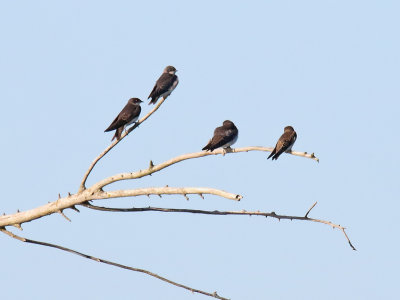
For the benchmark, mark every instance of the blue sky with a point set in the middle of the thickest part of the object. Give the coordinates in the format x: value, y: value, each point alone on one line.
x: 328, y: 68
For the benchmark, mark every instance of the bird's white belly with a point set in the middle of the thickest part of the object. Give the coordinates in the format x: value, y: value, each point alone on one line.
x: 131, y: 122
x: 231, y: 142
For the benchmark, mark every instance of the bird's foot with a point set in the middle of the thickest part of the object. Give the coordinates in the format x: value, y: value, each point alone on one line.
x: 227, y: 150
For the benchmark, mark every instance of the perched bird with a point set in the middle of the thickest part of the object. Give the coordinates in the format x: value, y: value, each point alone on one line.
x: 129, y: 114
x: 284, y: 143
x: 164, y: 85
x: 224, y: 136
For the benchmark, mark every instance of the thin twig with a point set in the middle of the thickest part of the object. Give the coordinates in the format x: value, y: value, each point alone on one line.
x: 113, y: 144
x: 217, y: 212
x: 155, y: 168
x: 310, y: 209
x: 22, y: 239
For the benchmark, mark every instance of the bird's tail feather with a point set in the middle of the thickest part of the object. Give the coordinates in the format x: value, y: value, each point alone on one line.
x: 118, y: 133
x: 272, y: 154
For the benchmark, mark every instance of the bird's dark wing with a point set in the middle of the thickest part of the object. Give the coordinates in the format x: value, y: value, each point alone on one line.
x: 272, y: 153
x: 128, y: 113
x: 221, y: 137
x: 162, y: 85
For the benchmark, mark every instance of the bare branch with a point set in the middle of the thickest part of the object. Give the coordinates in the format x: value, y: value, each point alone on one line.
x: 217, y: 212
x: 167, y: 191
x: 95, y: 194
x: 22, y: 239
x: 155, y: 168
x: 113, y: 144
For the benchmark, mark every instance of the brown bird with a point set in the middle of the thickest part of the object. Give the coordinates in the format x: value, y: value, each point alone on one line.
x: 284, y: 143
x: 164, y: 85
x: 224, y: 136
x: 129, y: 114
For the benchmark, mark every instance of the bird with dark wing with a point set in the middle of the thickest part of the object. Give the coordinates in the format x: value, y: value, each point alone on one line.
x: 224, y: 136
x: 164, y: 85
x: 129, y: 114
x: 284, y: 143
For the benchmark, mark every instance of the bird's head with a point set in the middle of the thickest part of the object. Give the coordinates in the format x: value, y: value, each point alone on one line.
x: 228, y: 124
x: 135, y: 101
x: 170, y: 70
x: 288, y: 128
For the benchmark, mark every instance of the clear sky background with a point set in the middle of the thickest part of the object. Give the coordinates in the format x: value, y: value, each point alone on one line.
x: 328, y: 68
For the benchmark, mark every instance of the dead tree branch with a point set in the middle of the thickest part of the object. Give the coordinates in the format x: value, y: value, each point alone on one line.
x: 155, y: 168
x: 22, y: 239
x: 90, y: 194
x: 168, y: 191
x: 216, y: 212
x: 95, y: 191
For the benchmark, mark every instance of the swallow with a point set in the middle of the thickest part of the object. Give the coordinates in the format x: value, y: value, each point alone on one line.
x: 224, y: 136
x: 164, y: 85
x: 129, y: 114
x: 284, y: 143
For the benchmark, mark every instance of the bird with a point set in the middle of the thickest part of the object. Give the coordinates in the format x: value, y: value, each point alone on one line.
x: 164, y: 85
x: 129, y: 114
x: 224, y: 136
x: 285, y: 142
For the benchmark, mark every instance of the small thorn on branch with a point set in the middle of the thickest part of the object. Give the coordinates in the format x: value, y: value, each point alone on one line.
x: 159, y: 195
x: 59, y: 196
x: 69, y: 194
x: 201, y: 195
x: 186, y: 197
x: 18, y: 226
x: 74, y: 208
x: 60, y: 212
x: 306, y: 216
x: 151, y: 165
